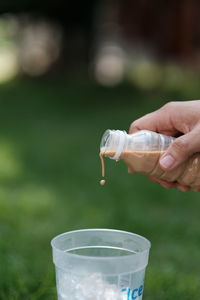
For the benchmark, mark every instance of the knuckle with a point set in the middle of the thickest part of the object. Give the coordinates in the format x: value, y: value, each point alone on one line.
x: 172, y: 103
x: 180, y: 146
x: 131, y: 127
x: 134, y: 126
x: 168, y: 106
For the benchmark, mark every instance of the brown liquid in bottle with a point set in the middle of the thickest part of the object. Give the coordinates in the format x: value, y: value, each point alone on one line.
x: 188, y: 173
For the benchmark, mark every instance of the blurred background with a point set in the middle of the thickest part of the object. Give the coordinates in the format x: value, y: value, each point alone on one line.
x: 68, y: 72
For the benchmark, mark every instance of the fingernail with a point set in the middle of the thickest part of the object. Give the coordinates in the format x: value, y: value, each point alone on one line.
x: 167, y: 161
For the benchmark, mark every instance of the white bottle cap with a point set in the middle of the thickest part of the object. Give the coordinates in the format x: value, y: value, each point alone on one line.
x: 113, y: 141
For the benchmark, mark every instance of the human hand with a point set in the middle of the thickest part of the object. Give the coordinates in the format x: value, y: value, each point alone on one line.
x: 178, y: 119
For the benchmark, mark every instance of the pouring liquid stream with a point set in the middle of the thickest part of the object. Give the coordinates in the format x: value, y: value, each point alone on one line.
x: 102, y: 181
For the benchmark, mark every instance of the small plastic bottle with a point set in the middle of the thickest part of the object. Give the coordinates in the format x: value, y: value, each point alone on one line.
x: 141, y: 151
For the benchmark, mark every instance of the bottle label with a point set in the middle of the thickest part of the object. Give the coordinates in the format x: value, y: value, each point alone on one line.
x: 134, y: 294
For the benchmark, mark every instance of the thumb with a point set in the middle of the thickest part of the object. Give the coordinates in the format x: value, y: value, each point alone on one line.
x: 180, y: 150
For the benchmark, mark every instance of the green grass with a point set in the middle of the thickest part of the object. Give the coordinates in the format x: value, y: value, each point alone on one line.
x: 49, y: 171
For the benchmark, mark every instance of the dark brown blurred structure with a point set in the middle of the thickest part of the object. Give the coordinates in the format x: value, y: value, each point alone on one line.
x: 165, y: 29
x: 75, y: 19
x: 171, y: 28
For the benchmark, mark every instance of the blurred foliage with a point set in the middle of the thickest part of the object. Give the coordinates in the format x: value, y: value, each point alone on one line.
x: 49, y: 170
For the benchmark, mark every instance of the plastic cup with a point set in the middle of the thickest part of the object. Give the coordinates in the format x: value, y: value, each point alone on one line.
x: 100, y: 264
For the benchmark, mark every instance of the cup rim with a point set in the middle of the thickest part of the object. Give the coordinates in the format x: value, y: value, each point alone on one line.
x: 73, y: 255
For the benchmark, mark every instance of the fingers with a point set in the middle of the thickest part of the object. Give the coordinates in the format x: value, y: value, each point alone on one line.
x: 181, y: 149
x: 146, y: 122
x: 158, y: 121
x: 183, y: 188
x: 164, y: 183
x: 180, y: 119
x: 169, y: 185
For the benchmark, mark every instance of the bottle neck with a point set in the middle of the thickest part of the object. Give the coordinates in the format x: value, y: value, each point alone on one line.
x: 113, y: 141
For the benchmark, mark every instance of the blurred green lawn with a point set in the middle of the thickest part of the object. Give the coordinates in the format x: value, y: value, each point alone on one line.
x: 49, y: 172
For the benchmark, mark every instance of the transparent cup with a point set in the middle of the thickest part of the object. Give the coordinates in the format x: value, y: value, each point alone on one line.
x: 100, y: 264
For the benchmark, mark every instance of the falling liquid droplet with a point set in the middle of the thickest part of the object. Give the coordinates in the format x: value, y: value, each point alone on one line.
x: 102, y: 182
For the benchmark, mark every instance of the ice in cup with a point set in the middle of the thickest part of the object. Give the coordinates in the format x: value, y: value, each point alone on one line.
x: 100, y: 264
